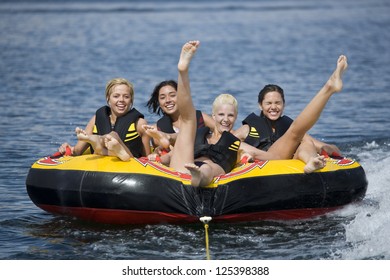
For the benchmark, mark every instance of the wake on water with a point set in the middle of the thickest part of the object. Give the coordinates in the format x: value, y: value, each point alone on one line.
x: 368, y: 232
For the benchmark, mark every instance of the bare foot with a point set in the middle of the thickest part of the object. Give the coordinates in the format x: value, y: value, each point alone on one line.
x: 195, y: 173
x: 159, y: 137
x: 335, y: 82
x: 188, y: 51
x: 115, y: 148
x: 81, y: 134
x: 314, y: 164
x: 96, y: 141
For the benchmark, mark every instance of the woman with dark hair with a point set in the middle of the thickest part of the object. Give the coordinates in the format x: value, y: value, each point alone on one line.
x: 261, y: 131
x: 163, y: 100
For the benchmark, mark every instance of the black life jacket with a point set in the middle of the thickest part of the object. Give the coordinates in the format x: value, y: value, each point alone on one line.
x: 261, y: 134
x: 125, y: 126
x: 224, y: 152
x: 164, y: 124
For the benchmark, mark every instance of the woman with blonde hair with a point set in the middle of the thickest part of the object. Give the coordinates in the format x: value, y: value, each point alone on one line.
x: 117, y: 120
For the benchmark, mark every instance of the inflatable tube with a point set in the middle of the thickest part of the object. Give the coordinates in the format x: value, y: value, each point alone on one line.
x: 106, y: 190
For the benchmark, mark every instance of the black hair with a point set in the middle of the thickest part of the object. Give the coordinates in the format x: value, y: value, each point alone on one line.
x: 153, y: 103
x: 269, y: 88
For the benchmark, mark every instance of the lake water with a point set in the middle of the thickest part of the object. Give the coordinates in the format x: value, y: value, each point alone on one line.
x: 55, y: 58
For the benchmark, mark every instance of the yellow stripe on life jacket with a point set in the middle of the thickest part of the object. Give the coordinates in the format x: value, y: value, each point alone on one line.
x: 253, y: 133
x: 234, y: 146
x: 133, y: 133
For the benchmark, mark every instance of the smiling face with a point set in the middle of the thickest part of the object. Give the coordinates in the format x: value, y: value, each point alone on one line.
x: 224, y: 116
x: 167, y: 97
x: 225, y: 112
x: 272, y: 105
x: 120, y: 100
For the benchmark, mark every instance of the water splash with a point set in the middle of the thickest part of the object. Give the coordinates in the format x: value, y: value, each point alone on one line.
x: 368, y: 231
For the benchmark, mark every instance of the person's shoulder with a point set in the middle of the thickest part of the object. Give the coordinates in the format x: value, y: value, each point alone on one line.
x: 241, y: 132
x: 287, y: 118
x: 251, y: 116
x: 136, y: 111
x: 163, y: 117
x: 103, y: 108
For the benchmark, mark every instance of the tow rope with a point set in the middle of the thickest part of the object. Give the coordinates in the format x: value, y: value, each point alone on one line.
x: 205, y: 220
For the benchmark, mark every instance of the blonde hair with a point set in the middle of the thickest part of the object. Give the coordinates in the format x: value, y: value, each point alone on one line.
x: 119, y: 81
x: 225, y: 98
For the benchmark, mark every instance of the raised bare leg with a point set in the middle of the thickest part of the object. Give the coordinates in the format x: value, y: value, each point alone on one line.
x: 183, y: 151
x: 286, y: 146
x: 309, y: 116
